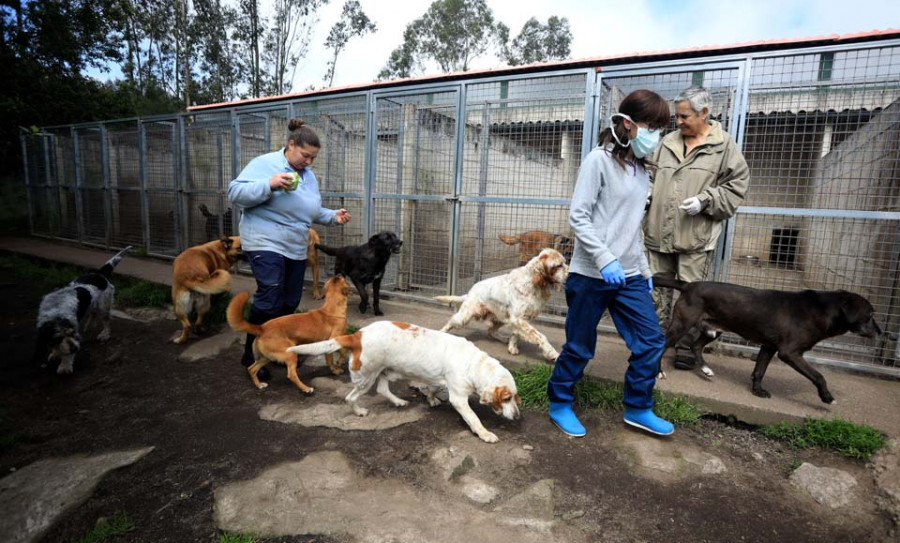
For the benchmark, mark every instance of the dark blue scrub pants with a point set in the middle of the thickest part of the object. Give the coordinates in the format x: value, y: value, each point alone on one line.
x: 634, y: 315
x: 279, y: 286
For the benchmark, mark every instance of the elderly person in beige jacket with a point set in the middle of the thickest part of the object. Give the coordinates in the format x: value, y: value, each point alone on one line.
x: 700, y: 179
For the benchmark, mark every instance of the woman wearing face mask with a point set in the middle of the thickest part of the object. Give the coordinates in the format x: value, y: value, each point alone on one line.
x: 279, y: 198
x: 700, y: 179
x: 609, y: 269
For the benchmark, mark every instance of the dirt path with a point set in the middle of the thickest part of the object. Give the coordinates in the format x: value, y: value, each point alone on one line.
x: 217, y: 464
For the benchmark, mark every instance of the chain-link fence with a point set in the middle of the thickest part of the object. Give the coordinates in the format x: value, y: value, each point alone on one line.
x: 460, y: 169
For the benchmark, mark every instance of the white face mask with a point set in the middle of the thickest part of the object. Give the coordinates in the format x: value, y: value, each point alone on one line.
x: 645, y: 141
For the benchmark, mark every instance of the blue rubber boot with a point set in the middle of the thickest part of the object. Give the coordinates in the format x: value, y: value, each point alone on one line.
x: 645, y: 419
x: 564, y: 418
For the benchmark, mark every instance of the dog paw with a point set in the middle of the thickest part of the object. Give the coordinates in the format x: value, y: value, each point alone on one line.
x: 513, y: 350
x: 762, y: 393
x: 707, y: 371
x: 262, y: 386
x: 103, y: 335
x: 65, y: 369
x: 379, y: 313
x: 363, y: 308
x: 400, y: 403
x: 433, y: 402
x: 309, y: 391
x: 489, y: 437
x: 360, y: 411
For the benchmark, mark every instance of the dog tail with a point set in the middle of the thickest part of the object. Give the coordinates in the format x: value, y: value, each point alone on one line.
x: 454, y: 301
x: 235, y: 315
x: 326, y: 249
x: 218, y: 281
x: 510, y: 240
x: 107, y: 269
x: 322, y: 347
x: 668, y: 282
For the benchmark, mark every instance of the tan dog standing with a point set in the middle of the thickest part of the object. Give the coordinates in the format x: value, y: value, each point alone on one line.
x: 532, y: 242
x: 275, y: 336
x: 199, y: 272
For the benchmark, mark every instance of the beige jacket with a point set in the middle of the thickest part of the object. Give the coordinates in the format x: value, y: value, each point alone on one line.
x: 715, y: 172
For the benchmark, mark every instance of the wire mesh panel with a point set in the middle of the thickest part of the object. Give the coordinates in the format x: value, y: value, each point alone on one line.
x: 62, y: 168
x: 261, y: 132
x: 415, y: 166
x: 42, y: 201
x: 521, y: 153
x: 161, y: 186
x: 822, y: 140
x: 92, y: 175
x: 339, y: 167
x: 126, y: 207
x: 208, y: 170
x: 721, y: 82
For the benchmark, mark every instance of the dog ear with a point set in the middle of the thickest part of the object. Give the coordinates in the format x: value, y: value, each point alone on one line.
x: 204, y: 210
x: 227, y: 242
x: 486, y: 397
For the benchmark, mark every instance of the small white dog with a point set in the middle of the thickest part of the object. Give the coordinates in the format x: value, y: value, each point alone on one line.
x: 388, y: 351
x: 513, y: 299
x: 77, y: 311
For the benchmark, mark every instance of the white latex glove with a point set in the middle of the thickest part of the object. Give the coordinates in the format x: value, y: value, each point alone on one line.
x: 692, y: 205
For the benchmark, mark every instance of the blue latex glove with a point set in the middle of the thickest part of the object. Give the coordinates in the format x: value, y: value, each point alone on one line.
x: 650, y: 284
x: 613, y: 273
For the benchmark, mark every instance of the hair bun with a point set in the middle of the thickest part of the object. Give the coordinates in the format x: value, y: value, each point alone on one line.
x: 294, y: 124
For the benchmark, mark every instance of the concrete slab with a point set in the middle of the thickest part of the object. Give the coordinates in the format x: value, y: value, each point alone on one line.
x: 34, y: 497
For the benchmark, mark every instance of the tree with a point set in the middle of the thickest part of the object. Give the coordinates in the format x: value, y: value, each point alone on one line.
x: 219, y: 57
x: 287, y: 41
x: 250, y: 30
x: 452, y: 33
x: 536, y: 42
x: 353, y: 22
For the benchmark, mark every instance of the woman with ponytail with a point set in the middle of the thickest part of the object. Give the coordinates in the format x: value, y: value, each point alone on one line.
x: 609, y: 269
x: 279, y: 198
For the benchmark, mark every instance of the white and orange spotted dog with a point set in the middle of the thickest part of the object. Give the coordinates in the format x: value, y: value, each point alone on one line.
x: 512, y: 300
x: 387, y: 351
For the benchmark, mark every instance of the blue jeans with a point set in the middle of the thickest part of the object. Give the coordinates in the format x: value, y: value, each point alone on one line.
x: 634, y: 315
x: 279, y: 283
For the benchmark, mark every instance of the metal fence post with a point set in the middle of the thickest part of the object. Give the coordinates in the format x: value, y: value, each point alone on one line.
x: 142, y: 177
x: 79, y: 197
x: 370, y: 164
x: 485, y: 143
x: 107, y: 191
x: 457, y: 188
x: 22, y: 138
x: 181, y: 185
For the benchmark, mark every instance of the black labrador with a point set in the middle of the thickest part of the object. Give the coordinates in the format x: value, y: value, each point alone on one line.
x: 365, y: 264
x: 787, y: 323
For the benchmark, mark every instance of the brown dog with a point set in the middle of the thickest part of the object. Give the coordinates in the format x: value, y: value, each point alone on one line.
x: 275, y: 336
x: 532, y: 242
x: 199, y: 272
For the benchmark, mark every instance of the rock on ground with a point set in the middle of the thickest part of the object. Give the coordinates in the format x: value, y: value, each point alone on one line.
x: 34, y: 497
x: 830, y: 487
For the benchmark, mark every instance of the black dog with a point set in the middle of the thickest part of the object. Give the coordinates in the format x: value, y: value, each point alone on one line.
x: 212, y: 223
x: 365, y: 264
x: 787, y: 323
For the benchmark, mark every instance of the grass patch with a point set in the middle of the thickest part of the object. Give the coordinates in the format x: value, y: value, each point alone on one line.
x: 237, y: 538
x: 141, y: 293
x: 351, y: 328
x: 118, y: 524
x: 531, y: 382
x: 856, y: 441
x: 219, y: 309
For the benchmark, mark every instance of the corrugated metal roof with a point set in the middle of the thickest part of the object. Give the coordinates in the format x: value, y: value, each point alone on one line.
x: 597, y: 62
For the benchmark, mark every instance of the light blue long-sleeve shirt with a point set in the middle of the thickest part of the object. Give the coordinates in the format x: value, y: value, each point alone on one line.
x: 605, y: 214
x: 278, y: 220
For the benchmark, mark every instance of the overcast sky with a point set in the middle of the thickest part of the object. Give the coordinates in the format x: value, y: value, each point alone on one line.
x: 600, y: 27
x: 603, y: 27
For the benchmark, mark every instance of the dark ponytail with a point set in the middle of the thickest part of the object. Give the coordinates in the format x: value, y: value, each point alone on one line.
x: 301, y: 134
